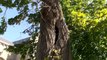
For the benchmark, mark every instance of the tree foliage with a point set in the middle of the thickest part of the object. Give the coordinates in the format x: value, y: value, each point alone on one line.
x: 86, y: 20
x: 0, y: 10
x: 27, y: 10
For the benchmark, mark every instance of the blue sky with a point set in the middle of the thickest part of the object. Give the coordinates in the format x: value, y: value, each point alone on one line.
x: 14, y: 32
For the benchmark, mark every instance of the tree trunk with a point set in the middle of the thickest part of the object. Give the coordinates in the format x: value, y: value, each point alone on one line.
x: 53, y: 30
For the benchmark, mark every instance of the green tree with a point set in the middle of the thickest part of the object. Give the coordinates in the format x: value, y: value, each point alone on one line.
x: 53, y: 29
x: 86, y: 20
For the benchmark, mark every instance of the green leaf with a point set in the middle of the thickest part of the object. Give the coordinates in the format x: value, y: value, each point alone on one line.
x: 0, y: 10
